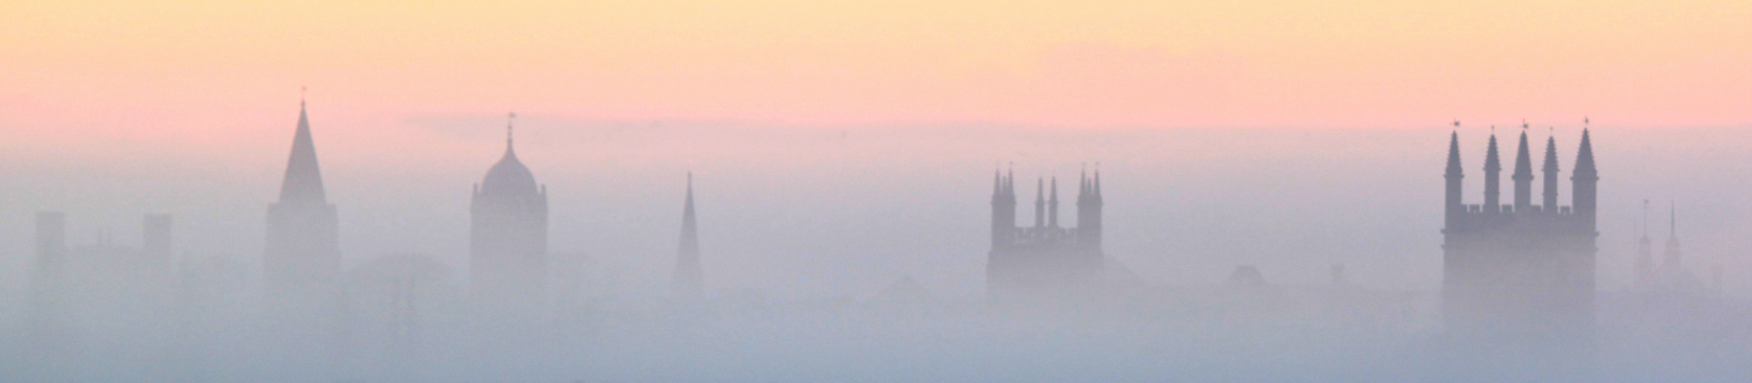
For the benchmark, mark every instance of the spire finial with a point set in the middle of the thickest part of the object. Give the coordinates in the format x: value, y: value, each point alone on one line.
x: 512, y: 118
x: 301, y: 90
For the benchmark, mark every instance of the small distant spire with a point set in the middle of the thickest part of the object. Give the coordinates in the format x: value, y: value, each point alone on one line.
x: 1672, y: 219
x: 1096, y: 183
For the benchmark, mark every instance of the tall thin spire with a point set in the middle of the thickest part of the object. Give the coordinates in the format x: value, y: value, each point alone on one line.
x: 1492, y: 178
x: 1585, y: 155
x: 1671, y: 258
x: 1052, y: 205
x: 1584, y: 181
x: 303, y: 182
x: 688, y: 272
x: 1551, y: 169
x: 1523, y: 175
x: 1454, y: 207
x: 1454, y: 168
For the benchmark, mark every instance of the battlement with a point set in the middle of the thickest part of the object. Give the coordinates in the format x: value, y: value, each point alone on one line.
x: 1534, y: 220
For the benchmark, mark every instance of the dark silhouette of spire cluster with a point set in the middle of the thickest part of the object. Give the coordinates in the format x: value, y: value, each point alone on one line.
x: 1522, y: 271
x: 1029, y: 262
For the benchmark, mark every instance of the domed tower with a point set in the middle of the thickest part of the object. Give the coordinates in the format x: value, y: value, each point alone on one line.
x: 508, y: 237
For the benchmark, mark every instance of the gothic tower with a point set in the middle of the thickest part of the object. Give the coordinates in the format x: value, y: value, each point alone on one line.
x: 508, y: 233
x: 688, y: 273
x: 1046, y: 261
x: 1518, y: 280
x: 302, y: 260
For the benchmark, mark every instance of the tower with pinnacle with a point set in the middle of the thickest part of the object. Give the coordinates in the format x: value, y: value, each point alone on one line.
x: 1522, y: 274
x: 1045, y: 260
x: 508, y: 236
x: 301, y: 264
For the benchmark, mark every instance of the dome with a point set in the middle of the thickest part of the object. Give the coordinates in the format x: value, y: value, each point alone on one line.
x: 509, y: 176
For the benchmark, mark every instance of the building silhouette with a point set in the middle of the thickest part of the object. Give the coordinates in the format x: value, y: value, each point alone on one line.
x: 508, y: 235
x: 301, y: 263
x: 1045, y: 260
x: 1518, y: 278
x: 689, y: 277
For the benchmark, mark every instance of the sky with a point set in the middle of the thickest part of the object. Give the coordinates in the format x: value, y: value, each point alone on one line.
x: 1237, y: 132
x: 192, y: 69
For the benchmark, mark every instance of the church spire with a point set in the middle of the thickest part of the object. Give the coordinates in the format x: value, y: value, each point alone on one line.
x: 1454, y: 208
x: 1052, y: 205
x: 303, y: 182
x: 688, y: 273
x: 1551, y: 169
x: 1492, y: 178
x: 1671, y: 257
x: 1523, y: 175
x: 1584, y: 180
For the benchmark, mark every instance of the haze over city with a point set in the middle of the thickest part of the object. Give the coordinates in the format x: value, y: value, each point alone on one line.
x: 1269, y: 203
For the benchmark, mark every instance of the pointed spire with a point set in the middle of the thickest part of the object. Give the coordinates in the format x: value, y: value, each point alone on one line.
x: 1551, y: 169
x: 1551, y: 154
x: 1491, y: 163
x: 1585, y: 155
x: 1454, y: 168
x: 688, y: 274
x: 1492, y: 178
x: 997, y: 182
x: 303, y: 181
x: 1523, y: 174
x: 1672, y: 257
x: 1096, y: 182
x: 1052, y: 205
x: 1523, y: 158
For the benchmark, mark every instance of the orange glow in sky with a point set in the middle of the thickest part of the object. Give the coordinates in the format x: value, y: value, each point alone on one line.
x: 193, y: 70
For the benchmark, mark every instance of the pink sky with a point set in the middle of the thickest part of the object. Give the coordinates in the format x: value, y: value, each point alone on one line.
x: 210, y: 73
